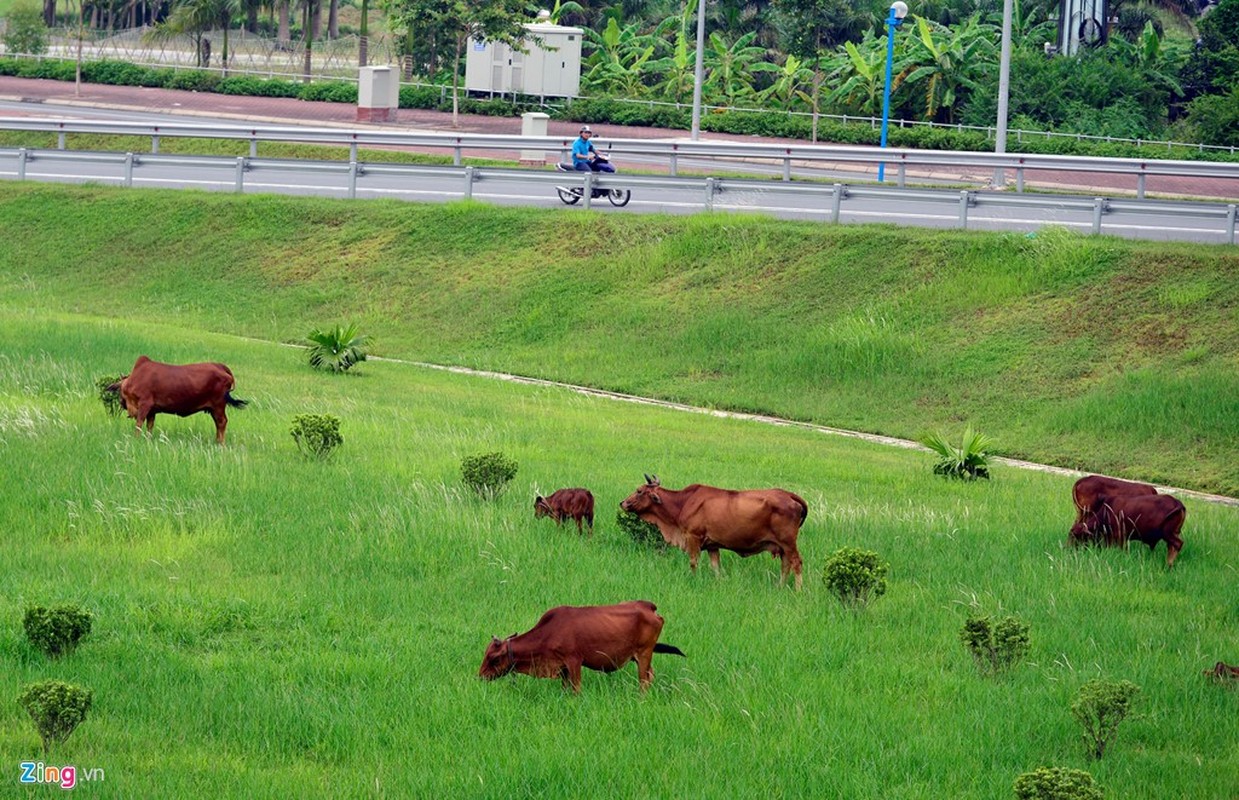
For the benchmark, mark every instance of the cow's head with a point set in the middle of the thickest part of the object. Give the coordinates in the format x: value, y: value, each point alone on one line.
x: 1087, y: 531
x: 541, y: 508
x: 498, y: 660
x: 645, y: 498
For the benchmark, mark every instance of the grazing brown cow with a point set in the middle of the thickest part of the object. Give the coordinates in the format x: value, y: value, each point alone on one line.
x: 154, y: 388
x: 1223, y: 671
x: 1147, y: 518
x: 698, y: 518
x: 567, y: 638
x: 1088, y: 490
x: 577, y: 504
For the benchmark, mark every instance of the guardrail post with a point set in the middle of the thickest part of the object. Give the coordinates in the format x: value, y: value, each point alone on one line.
x: 240, y: 174
x: 963, y: 209
x: 1140, y: 186
x: 1019, y: 180
x: 1099, y: 205
x: 589, y: 189
x: 154, y: 144
x: 22, y: 155
x: 469, y: 183
x: 253, y: 148
x: 352, y: 151
x: 902, y: 180
x: 836, y: 200
x: 1230, y: 223
x: 787, y: 168
x: 60, y: 141
x: 675, y: 158
x: 128, y: 170
x: 710, y: 189
x: 352, y: 179
x: 456, y: 156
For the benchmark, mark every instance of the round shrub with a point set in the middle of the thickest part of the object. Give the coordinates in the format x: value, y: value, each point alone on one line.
x: 57, y: 708
x: 1100, y: 706
x: 1057, y: 783
x: 56, y: 630
x: 856, y: 576
x: 995, y: 646
x: 316, y: 435
x: 642, y: 532
x: 488, y: 474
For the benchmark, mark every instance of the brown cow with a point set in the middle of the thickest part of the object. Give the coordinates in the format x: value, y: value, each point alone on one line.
x: 604, y: 638
x: 1088, y: 490
x: 154, y: 388
x: 748, y: 522
x: 577, y: 504
x: 1147, y: 518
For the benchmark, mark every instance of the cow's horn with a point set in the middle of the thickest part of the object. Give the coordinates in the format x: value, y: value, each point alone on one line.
x: 656, y: 481
x: 648, y: 479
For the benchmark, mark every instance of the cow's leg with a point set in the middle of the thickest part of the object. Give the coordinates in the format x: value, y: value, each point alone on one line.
x: 1174, y: 542
x: 579, y: 531
x: 572, y: 676
x: 714, y: 562
x: 144, y: 416
x: 693, y: 546
x: 645, y: 670
x: 589, y: 520
x: 792, y: 557
x: 150, y: 422
x: 221, y: 423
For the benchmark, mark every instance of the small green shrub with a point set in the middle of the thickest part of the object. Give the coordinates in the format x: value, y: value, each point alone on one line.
x: 24, y: 31
x: 1100, y: 706
x: 329, y: 91
x: 109, y: 397
x: 968, y: 462
x: 316, y: 435
x: 1057, y: 783
x: 56, y: 630
x: 193, y: 81
x: 488, y: 474
x: 856, y: 576
x: 57, y: 708
x: 336, y: 349
x: 995, y: 646
x: 642, y: 532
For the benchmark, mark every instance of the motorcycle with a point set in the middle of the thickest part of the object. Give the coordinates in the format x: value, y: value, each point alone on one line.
x: 571, y: 195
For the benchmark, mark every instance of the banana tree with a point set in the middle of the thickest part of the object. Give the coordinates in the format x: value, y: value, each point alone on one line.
x: 860, y: 77
x: 618, y: 58
x: 676, y: 71
x: 732, y: 67
x: 792, y: 85
x: 949, y: 62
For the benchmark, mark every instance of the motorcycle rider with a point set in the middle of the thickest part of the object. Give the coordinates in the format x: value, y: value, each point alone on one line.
x: 584, y: 157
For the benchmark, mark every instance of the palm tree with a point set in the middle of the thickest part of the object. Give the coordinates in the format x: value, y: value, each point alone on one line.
x: 193, y: 18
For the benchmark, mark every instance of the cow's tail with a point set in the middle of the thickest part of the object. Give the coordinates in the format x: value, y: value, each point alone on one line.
x: 804, y: 507
x: 669, y: 649
x: 234, y: 402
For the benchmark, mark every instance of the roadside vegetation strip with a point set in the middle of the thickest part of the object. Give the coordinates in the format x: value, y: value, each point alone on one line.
x: 315, y: 624
x: 1092, y: 353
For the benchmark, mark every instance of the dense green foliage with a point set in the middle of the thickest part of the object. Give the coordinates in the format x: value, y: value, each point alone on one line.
x: 967, y: 461
x: 317, y: 435
x: 338, y: 348
x: 24, y: 31
x: 56, y: 630
x: 995, y: 645
x: 56, y: 708
x: 1057, y: 783
x: 887, y: 330
x: 855, y: 576
x: 273, y: 633
x: 642, y: 532
x: 488, y: 474
x: 1100, y: 707
x: 107, y: 395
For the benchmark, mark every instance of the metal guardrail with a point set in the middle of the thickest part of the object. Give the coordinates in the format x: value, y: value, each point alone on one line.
x: 671, y: 150
x: 709, y: 189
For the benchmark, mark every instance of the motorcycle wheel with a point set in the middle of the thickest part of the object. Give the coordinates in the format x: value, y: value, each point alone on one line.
x: 569, y: 197
x: 619, y: 197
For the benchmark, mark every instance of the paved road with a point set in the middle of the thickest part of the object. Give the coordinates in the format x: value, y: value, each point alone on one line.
x: 536, y: 188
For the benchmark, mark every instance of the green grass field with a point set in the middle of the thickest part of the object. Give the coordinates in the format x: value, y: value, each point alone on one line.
x: 1095, y: 353
x: 270, y: 627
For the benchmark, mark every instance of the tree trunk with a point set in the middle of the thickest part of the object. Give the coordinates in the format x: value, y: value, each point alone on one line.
x: 227, y: 24
x: 316, y: 18
x: 309, y: 44
x: 456, y: 82
x: 251, y: 18
x: 817, y: 90
x: 49, y: 13
x: 333, y: 20
x: 284, y: 34
x: 363, y: 45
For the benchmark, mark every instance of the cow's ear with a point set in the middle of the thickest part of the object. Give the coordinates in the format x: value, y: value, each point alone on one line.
x: 655, y: 499
x: 537, y: 501
x: 494, y: 640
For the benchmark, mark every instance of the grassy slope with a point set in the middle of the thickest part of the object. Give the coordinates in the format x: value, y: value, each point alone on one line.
x: 269, y: 627
x: 1098, y: 353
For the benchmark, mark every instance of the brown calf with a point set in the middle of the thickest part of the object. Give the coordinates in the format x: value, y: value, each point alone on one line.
x: 603, y: 638
x: 577, y: 504
x: 1146, y: 518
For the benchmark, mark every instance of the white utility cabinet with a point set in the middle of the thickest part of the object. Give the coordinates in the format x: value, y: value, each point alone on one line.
x: 550, y: 68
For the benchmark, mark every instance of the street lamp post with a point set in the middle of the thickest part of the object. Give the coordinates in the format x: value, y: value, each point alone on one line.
x: 898, y: 11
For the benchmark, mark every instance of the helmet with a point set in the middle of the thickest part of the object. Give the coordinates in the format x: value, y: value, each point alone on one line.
x: 585, y: 129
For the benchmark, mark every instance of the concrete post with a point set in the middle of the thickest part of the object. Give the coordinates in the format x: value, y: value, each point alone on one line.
x: 534, y: 123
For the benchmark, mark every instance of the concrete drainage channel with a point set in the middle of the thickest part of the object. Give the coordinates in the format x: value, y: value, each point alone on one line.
x: 768, y: 420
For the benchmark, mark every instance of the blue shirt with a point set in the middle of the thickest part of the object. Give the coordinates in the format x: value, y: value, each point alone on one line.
x: 580, y: 151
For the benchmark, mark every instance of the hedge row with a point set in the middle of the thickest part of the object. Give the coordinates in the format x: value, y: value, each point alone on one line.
x: 594, y: 111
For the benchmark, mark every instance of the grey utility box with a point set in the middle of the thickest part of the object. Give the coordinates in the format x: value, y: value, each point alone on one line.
x: 550, y: 68
x: 378, y: 94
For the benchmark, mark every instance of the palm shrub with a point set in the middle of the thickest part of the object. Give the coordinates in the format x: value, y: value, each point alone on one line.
x: 995, y: 646
x: 969, y: 461
x: 108, y: 396
x: 856, y: 576
x: 316, y: 435
x: 642, y: 532
x: 337, y: 349
x: 1100, y: 706
x: 57, y: 708
x: 488, y: 474
x: 56, y: 630
x: 1057, y: 783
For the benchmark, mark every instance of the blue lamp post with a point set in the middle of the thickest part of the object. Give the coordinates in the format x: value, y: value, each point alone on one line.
x: 899, y: 10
